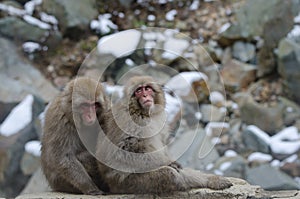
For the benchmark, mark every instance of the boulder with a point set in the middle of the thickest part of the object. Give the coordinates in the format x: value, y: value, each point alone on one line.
x: 289, y: 67
x: 275, y: 180
x: 19, y: 78
x: 74, y: 16
x: 240, y: 189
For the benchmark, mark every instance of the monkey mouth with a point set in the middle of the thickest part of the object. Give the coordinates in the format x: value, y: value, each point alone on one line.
x: 148, y: 103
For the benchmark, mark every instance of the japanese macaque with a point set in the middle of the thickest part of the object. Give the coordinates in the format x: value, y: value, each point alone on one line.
x: 71, y: 125
x: 132, y: 154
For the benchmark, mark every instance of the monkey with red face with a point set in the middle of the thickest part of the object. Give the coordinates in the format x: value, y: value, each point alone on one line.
x: 70, y: 127
x: 132, y: 154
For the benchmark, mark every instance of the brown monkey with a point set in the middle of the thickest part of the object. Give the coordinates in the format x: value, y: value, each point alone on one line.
x: 132, y: 156
x: 70, y: 124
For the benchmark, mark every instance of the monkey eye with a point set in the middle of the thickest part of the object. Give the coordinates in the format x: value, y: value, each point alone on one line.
x: 138, y: 90
x: 148, y: 88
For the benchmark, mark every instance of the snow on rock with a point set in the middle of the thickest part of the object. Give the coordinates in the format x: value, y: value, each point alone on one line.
x: 12, y: 10
x: 30, y: 47
x: 119, y: 44
x: 173, y: 106
x: 103, y: 25
x: 170, y: 16
x: 286, y: 141
x: 260, y: 157
x: 230, y: 153
x: 174, y: 48
x: 18, y: 118
x: 215, y: 128
x: 48, y: 18
x: 151, y: 18
x: 30, y: 6
x: 115, y: 91
x: 195, y: 5
x: 216, y: 98
x: 259, y: 133
x: 33, y: 147
x: 224, y: 28
x: 181, y: 84
x: 295, y: 32
x: 36, y: 22
x: 297, y: 18
x: 224, y: 166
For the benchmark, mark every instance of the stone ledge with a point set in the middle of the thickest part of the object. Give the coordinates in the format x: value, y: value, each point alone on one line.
x: 240, y: 190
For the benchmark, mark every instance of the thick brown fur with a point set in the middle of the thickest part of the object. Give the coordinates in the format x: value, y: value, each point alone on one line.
x: 132, y: 157
x: 66, y: 162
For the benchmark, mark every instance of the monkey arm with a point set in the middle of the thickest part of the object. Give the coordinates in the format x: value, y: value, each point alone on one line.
x: 75, y: 173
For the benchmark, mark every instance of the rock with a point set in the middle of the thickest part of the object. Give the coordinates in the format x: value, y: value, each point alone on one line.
x: 37, y: 183
x: 194, y: 149
x: 5, y: 109
x: 17, y: 29
x: 271, y: 20
x: 231, y: 166
x: 240, y: 189
x: 29, y: 163
x: 74, y: 17
x: 275, y: 180
x: 237, y: 75
x: 19, y: 78
x: 256, y: 140
x: 291, y: 111
x: 288, y: 67
x: 266, y: 61
x: 211, y: 113
x: 244, y: 52
x: 292, y: 169
x: 269, y: 119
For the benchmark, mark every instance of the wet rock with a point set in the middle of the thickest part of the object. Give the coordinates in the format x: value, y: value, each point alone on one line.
x: 237, y: 75
x: 288, y: 67
x: 74, y: 17
x: 19, y: 78
x: 275, y: 180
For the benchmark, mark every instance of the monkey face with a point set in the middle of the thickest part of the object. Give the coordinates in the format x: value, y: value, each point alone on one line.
x: 145, y: 96
x: 88, y: 112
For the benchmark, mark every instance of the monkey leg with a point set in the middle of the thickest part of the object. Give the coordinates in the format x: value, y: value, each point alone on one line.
x: 163, y: 180
x: 75, y: 173
x: 196, y: 179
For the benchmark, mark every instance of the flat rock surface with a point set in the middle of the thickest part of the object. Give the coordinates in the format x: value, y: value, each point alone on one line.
x: 240, y: 190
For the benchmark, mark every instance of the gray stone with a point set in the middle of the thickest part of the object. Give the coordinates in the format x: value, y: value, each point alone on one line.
x: 237, y: 166
x: 37, y: 183
x: 240, y: 190
x: 74, y: 16
x: 196, y: 148
x: 17, y: 29
x: 243, y: 51
x: 211, y: 113
x: 18, y: 77
x: 253, y: 142
x: 270, y: 178
x: 289, y: 67
x: 268, y: 119
x: 271, y: 20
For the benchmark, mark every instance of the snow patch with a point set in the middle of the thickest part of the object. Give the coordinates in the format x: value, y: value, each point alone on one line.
x: 48, y: 18
x: 181, y: 84
x: 18, y: 118
x: 36, y: 22
x: 30, y: 6
x: 103, y: 25
x: 151, y: 18
x: 195, y: 5
x: 230, y: 153
x: 33, y: 147
x: 12, y: 10
x: 174, y: 48
x: 259, y: 133
x: 215, y: 125
x: 173, y: 106
x: 30, y: 47
x: 119, y: 44
x: 170, y: 16
x: 224, y: 28
x: 261, y: 157
x: 216, y: 97
x: 225, y: 166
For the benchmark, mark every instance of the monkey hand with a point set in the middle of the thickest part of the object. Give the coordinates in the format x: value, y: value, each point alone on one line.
x: 175, y: 165
x: 218, y: 182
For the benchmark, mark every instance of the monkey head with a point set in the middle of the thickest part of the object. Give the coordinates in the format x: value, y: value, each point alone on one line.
x: 144, y: 94
x: 87, y: 100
